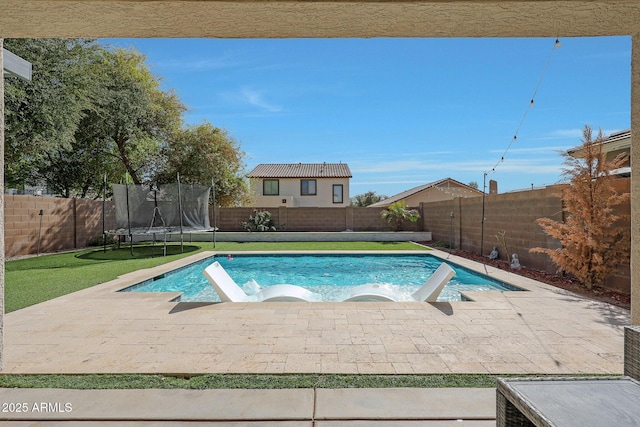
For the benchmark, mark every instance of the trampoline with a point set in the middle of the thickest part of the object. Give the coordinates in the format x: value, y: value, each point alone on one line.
x: 147, y: 211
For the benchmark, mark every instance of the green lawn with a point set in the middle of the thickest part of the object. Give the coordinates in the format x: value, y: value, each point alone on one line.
x: 34, y: 280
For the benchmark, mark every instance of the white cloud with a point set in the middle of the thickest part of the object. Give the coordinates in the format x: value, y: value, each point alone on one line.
x: 412, y: 182
x: 199, y: 63
x: 564, y: 134
x: 256, y: 98
x: 531, y: 165
x: 243, y: 98
x: 554, y: 149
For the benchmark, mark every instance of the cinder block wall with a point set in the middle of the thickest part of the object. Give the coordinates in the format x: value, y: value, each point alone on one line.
x: 22, y: 224
x: 89, y: 220
x: 510, y: 216
x: 66, y: 223
x: 312, y: 219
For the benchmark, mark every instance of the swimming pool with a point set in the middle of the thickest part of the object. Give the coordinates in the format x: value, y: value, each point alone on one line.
x: 331, y: 276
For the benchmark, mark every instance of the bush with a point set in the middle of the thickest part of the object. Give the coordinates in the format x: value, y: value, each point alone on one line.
x: 259, y: 221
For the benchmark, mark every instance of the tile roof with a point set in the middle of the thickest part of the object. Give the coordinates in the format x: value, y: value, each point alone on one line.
x: 415, y: 190
x: 301, y: 170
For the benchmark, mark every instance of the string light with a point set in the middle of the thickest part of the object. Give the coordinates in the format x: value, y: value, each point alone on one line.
x: 556, y: 45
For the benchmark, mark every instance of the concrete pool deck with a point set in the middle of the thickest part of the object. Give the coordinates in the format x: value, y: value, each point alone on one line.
x: 544, y: 330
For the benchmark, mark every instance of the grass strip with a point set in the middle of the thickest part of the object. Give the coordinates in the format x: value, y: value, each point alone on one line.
x: 242, y: 381
x: 33, y: 280
x: 259, y: 381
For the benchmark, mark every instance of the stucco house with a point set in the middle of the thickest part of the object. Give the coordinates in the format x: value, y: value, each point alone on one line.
x: 300, y: 185
x: 615, y: 144
x: 444, y: 189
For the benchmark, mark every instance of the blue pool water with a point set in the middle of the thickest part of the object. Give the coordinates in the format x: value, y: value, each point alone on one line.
x: 331, y: 276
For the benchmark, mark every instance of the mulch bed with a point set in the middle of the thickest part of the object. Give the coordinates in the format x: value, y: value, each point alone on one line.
x: 597, y: 293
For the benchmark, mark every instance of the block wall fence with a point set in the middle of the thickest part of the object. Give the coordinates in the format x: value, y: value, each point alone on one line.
x: 313, y: 219
x: 74, y: 223
x: 511, y: 218
x: 64, y: 224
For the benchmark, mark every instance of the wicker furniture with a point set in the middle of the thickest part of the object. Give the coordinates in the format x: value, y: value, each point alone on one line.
x: 632, y: 352
x: 564, y: 402
x: 583, y: 401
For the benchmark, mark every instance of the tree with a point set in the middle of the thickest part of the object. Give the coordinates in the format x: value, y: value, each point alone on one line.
x: 201, y: 153
x: 592, y: 245
x: 366, y: 199
x: 396, y: 213
x: 42, y: 115
x: 92, y: 110
x: 132, y: 113
x: 79, y: 171
x: 473, y: 184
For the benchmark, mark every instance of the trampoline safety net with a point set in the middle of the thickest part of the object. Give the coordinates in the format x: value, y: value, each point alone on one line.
x: 171, y: 208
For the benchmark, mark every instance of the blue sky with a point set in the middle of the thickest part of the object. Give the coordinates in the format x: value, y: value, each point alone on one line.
x: 402, y: 112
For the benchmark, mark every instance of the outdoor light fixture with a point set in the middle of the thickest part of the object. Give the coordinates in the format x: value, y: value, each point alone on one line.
x: 14, y: 66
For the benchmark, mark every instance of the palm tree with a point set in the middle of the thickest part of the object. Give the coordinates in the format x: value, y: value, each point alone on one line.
x: 396, y: 213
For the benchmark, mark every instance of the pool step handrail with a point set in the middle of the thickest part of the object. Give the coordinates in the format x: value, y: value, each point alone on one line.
x: 428, y: 292
x: 229, y: 291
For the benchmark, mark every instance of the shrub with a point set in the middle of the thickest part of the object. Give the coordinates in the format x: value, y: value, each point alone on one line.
x: 592, y: 245
x: 259, y: 221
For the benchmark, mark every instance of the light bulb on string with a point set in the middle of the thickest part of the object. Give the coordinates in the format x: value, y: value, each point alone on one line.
x: 557, y: 44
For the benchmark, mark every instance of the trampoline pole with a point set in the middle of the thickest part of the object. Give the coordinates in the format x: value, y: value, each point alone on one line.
x: 215, y: 228
x: 181, y: 213
x: 104, y: 202
x: 128, y: 211
x: 153, y: 218
x: 40, y: 230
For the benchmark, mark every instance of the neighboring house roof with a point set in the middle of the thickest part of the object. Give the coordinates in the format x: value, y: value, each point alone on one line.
x: 616, y: 141
x: 301, y: 170
x: 415, y: 190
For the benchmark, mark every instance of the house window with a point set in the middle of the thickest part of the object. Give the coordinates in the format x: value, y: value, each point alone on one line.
x: 308, y: 187
x: 337, y: 193
x: 270, y: 187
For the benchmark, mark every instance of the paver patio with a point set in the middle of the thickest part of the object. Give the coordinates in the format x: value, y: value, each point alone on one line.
x: 98, y: 330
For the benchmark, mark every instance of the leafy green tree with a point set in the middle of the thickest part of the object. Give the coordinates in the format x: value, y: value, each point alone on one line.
x: 92, y: 110
x: 366, y: 199
x: 79, y: 171
x: 131, y: 114
x: 396, y: 213
x: 204, y: 152
x: 42, y: 115
x: 593, y: 242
